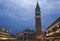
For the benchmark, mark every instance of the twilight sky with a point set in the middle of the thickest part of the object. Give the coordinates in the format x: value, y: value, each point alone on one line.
x: 17, y: 15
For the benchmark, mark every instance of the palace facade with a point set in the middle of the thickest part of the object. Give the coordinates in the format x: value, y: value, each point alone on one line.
x: 26, y: 35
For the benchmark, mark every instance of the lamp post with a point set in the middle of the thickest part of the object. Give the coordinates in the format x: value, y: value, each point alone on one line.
x: 27, y: 37
x: 23, y: 37
x: 3, y: 30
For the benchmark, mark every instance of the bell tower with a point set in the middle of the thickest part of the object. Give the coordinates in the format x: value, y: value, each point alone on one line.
x: 38, y: 20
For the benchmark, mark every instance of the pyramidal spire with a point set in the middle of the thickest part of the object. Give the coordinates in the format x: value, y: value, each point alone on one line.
x: 37, y: 3
x: 37, y: 6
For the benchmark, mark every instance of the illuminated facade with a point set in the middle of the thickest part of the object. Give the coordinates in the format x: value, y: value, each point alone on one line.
x: 5, y: 35
x: 27, y: 35
x: 53, y: 31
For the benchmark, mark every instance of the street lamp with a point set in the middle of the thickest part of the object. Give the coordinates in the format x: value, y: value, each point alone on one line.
x: 2, y: 29
x: 27, y: 37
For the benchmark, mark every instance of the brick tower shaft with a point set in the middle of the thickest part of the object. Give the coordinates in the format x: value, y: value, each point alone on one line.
x: 38, y: 20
